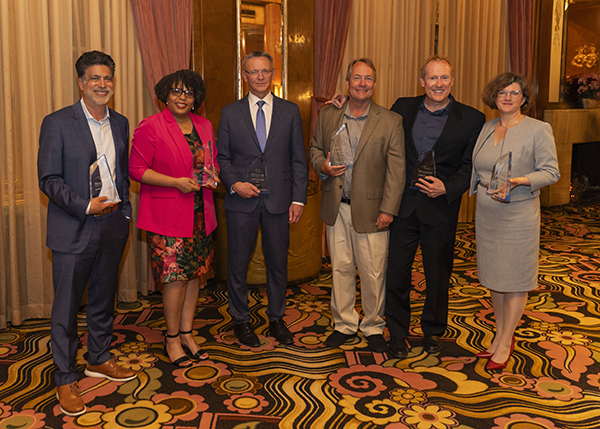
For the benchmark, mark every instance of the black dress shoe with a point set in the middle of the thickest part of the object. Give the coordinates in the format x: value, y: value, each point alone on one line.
x: 432, y: 344
x: 281, y: 333
x: 398, y: 348
x: 336, y: 339
x: 246, y: 335
x: 377, y: 343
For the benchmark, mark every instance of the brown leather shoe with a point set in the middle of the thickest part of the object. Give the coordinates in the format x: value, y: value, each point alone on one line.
x: 69, y: 399
x: 111, y: 370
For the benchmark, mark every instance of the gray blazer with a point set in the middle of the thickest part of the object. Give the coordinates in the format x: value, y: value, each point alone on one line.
x: 378, y: 172
x: 533, y: 155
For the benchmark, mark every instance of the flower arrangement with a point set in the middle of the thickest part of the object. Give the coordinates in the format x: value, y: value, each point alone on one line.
x: 588, y: 86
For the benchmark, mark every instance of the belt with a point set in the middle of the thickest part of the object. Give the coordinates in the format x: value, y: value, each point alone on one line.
x: 346, y: 201
x: 107, y: 210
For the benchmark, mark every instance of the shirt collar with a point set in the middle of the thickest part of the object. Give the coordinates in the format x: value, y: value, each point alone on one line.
x: 350, y: 115
x: 253, y: 99
x: 89, y: 116
x: 440, y: 112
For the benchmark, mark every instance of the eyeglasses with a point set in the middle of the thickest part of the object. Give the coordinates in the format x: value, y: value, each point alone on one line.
x: 96, y: 78
x: 178, y: 91
x: 255, y: 73
x: 513, y: 94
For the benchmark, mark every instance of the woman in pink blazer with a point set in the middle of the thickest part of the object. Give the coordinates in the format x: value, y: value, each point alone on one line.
x: 173, y: 156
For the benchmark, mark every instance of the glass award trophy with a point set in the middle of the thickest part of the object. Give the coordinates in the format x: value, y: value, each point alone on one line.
x: 425, y: 167
x: 499, y: 186
x: 101, y: 181
x: 341, y: 149
x: 209, y: 174
x: 257, y: 174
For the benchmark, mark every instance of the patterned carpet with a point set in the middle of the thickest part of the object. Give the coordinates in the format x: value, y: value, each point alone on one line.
x: 552, y: 381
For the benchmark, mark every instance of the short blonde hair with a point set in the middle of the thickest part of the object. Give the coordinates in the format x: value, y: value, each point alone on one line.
x: 423, y: 71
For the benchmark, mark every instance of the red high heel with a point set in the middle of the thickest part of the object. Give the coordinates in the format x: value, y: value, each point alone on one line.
x: 493, y: 365
x: 488, y: 355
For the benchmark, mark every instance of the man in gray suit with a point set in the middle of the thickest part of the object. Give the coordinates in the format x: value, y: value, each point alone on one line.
x: 359, y: 201
x: 87, y: 234
x: 263, y: 167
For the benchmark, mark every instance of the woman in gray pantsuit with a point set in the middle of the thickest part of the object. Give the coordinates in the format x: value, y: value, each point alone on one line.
x: 507, y: 233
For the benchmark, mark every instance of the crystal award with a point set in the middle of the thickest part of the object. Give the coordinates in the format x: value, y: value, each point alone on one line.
x: 209, y: 174
x: 257, y: 174
x: 341, y: 150
x: 101, y: 181
x: 425, y: 167
x: 499, y: 186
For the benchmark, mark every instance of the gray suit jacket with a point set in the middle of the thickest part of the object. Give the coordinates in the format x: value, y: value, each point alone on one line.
x: 66, y: 151
x: 533, y: 155
x: 284, y: 155
x: 378, y: 172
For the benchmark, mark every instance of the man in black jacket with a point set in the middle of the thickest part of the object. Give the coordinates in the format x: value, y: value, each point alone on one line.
x: 437, y: 124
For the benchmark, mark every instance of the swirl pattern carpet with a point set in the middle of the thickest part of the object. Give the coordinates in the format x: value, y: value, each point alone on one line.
x: 552, y: 380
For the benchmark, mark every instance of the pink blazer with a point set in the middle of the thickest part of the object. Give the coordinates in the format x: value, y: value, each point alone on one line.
x: 159, y: 144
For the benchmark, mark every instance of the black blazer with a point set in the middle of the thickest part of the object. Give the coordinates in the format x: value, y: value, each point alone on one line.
x: 284, y: 154
x: 453, y: 152
x: 66, y: 151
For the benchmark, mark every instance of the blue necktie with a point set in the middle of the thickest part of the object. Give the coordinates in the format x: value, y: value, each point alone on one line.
x: 261, y: 126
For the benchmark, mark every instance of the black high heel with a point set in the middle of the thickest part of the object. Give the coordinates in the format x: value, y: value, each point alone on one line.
x: 199, y: 355
x: 183, y: 361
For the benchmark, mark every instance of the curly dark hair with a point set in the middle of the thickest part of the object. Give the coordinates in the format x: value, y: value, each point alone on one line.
x: 188, y: 78
x: 490, y: 92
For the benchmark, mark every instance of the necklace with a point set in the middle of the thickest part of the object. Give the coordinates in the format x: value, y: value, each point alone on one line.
x: 511, y: 125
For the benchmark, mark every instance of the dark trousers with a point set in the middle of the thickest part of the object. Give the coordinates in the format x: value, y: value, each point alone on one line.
x: 437, y: 247
x: 98, y: 264
x: 242, y: 230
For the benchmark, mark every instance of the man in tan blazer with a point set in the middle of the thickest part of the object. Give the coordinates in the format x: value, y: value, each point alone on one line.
x: 359, y: 199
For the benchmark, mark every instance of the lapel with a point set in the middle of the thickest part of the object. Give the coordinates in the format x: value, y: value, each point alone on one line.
x: 82, y: 129
x: 275, y: 120
x: 486, y: 132
x: 181, y: 145
x: 451, y: 128
x: 409, y: 122
x: 244, y: 106
x: 120, y: 145
x: 372, y: 121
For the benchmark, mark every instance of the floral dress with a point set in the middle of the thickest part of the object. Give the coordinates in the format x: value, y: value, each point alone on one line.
x: 184, y: 258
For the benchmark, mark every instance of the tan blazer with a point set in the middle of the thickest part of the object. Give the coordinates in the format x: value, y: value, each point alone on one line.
x: 378, y: 174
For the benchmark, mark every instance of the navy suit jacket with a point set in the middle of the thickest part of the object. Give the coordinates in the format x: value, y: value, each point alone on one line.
x: 453, y: 152
x: 284, y: 155
x: 66, y: 151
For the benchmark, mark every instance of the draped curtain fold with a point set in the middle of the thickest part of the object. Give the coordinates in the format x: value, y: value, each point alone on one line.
x: 164, y: 34
x: 397, y: 35
x: 332, y: 18
x: 521, y: 24
x: 40, y: 42
x: 400, y: 34
x: 474, y: 35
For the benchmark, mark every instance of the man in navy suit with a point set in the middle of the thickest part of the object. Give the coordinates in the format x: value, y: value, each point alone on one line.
x: 429, y: 211
x: 87, y: 235
x: 263, y: 167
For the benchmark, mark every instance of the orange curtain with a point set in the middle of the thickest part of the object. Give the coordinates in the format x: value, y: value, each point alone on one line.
x: 332, y: 20
x: 164, y: 34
